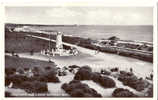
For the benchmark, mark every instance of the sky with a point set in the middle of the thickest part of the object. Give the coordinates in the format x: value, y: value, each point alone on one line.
x: 80, y: 15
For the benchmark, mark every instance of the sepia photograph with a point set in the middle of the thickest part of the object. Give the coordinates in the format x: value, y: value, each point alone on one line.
x: 67, y: 51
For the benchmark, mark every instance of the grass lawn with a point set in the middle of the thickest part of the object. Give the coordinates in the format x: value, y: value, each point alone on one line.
x: 19, y: 42
x: 15, y: 62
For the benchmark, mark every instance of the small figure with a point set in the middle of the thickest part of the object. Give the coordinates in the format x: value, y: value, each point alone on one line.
x: 151, y: 76
x: 131, y: 70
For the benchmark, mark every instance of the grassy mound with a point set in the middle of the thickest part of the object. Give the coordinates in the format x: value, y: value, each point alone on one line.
x: 85, y: 73
x: 34, y: 87
x: 120, y: 92
x: 132, y: 81
x: 77, y: 89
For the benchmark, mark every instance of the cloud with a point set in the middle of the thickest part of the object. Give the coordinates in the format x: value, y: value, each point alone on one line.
x: 81, y: 15
x: 61, y: 12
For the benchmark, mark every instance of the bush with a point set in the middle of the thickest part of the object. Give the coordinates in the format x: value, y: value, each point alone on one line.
x: 107, y: 82
x: 77, y: 93
x: 27, y: 86
x: 91, y: 92
x: 35, y: 70
x: 105, y: 72
x: 34, y: 87
x: 86, y: 68
x: 7, y: 80
x: 47, y: 68
x: 114, y: 69
x: 74, y: 66
x: 26, y: 69
x: 52, y: 79
x: 64, y: 86
x: 72, y: 86
x: 49, y: 77
x: 96, y: 77
x: 62, y: 73
x: 10, y: 71
x: 77, y: 89
x: 40, y: 87
x: 84, y: 73
x: 120, y: 92
x: 132, y: 81
x: 17, y: 80
x: 103, y: 80
x: 52, y: 71
x: 20, y: 70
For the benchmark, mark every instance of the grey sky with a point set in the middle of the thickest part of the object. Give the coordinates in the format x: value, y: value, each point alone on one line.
x: 80, y: 15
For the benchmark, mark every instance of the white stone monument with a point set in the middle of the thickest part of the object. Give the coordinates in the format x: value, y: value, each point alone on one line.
x: 59, y: 45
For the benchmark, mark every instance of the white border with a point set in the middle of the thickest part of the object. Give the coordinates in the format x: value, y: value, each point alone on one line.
x: 91, y: 3
x: 155, y: 54
x: 2, y: 49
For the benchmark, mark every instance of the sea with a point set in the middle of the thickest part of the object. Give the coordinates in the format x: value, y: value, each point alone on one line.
x: 134, y: 32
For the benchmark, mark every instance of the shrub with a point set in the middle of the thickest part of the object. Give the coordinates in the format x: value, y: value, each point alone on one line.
x: 40, y: 87
x: 126, y: 73
x: 105, y: 72
x: 35, y: 70
x: 27, y: 86
x: 132, y: 81
x: 77, y: 93
x: 52, y: 71
x: 84, y: 73
x: 114, y: 69
x: 34, y: 87
x: 74, y: 66
x: 86, y: 68
x: 96, y: 77
x: 17, y: 80
x: 10, y: 71
x: 77, y: 89
x: 120, y: 92
x: 107, y: 82
x: 91, y: 92
x: 26, y: 69
x: 47, y: 68
x: 64, y: 86
x: 52, y: 79
x: 20, y: 70
x: 49, y: 77
x: 62, y: 73
x: 139, y: 85
x: 7, y: 80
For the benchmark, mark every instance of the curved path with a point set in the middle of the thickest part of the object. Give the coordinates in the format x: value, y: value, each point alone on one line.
x: 102, y: 60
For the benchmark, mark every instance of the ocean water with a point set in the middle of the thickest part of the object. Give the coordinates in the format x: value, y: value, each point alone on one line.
x: 139, y: 33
